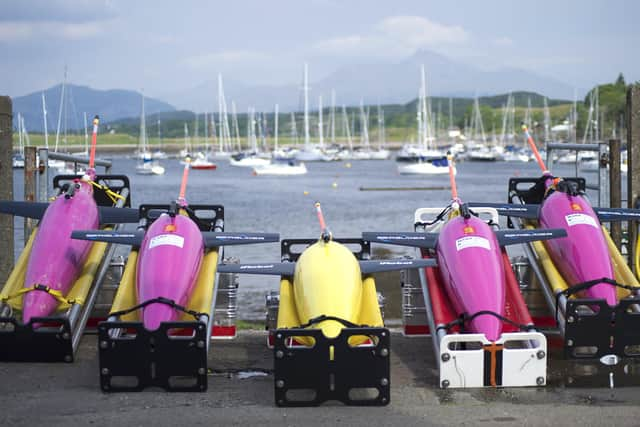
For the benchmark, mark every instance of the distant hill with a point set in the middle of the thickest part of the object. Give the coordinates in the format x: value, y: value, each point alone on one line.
x: 396, y: 115
x: 110, y: 105
x: 386, y: 83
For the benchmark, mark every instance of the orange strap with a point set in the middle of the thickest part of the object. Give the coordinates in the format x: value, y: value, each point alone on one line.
x: 493, y: 348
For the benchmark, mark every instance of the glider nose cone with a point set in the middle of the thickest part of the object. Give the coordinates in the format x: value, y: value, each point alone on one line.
x: 604, y: 291
x: 37, y: 304
x: 155, y: 314
x: 330, y: 328
x: 489, y: 325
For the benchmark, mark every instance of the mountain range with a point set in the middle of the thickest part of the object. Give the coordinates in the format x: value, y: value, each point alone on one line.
x: 110, y: 105
x: 385, y: 83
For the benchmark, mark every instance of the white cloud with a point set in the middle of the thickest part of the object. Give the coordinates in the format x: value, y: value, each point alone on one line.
x: 80, y: 31
x: 72, y: 11
x: 394, y: 37
x: 22, y: 31
x: 341, y: 44
x: 226, y: 57
x: 419, y: 32
x: 503, y: 42
x: 15, y: 31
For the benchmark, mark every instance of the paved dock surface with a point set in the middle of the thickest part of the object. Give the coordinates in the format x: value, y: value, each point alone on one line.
x: 69, y: 394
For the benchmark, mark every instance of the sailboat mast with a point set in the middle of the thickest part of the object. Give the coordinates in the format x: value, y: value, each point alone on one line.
x: 86, y: 134
x: 596, y: 118
x: 220, y: 127
x: 143, y: 129
x: 425, y: 111
x: 64, y: 84
x: 25, y: 137
x: 419, y: 119
x: 347, y: 132
x: 263, y: 129
x: 320, y: 133
x: 44, y: 117
x: 275, y: 128
x: 333, y: 116
x: 225, y: 119
x: 547, y: 121
x: 20, y: 142
x: 235, y: 125
x: 294, y: 129
x: 380, y: 127
x: 187, y: 142
x: 306, y: 106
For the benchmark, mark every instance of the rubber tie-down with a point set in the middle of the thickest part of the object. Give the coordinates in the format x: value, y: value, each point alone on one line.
x: 53, y: 292
x: 324, y: 317
x: 465, y: 318
x: 160, y: 300
x: 110, y: 193
x: 579, y: 287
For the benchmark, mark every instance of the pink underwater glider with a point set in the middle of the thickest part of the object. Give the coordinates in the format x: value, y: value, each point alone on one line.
x: 578, y: 274
x: 470, y: 261
x: 170, y: 255
x: 56, y: 260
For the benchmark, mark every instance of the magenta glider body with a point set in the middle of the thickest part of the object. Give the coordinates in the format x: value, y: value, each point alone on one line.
x: 168, y: 265
x: 583, y: 255
x: 472, y: 271
x: 56, y: 260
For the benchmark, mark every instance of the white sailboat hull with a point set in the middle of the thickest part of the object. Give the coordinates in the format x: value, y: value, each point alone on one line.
x: 280, y: 169
x: 248, y: 162
x: 425, y: 168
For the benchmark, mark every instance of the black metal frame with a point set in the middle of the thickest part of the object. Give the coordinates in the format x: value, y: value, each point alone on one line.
x: 610, y: 330
x: 287, y: 254
x: 62, y: 182
x: 148, y: 212
x: 153, y: 357
x: 311, y: 368
x: 24, y: 343
x: 515, y: 191
x: 299, y: 367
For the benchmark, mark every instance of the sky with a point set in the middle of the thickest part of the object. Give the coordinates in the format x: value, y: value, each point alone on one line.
x: 166, y: 46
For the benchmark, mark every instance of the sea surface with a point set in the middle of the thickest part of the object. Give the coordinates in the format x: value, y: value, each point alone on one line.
x: 285, y: 205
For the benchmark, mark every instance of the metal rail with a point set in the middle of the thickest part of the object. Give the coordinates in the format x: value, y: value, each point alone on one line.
x: 45, y: 155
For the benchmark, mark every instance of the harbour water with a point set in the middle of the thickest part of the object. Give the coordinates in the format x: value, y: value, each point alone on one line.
x: 285, y: 205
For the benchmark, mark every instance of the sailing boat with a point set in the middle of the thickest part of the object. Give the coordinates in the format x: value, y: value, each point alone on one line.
x: 224, y: 136
x: 479, y: 150
x: 186, y: 151
x: 424, y: 151
x: 381, y: 153
x: 201, y: 160
x: 512, y: 153
x: 158, y: 153
x: 283, y: 153
x: 424, y: 159
x: 250, y: 158
x: 146, y: 165
x: 281, y: 166
x: 17, y: 159
x: 309, y: 153
x: 364, y: 151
